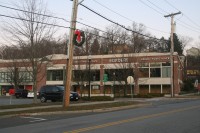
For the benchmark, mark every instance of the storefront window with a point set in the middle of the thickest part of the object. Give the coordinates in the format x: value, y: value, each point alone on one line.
x: 166, y: 72
x: 26, y: 76
x: 80, y: 75
x: 155, y: 88
x: 144, y: 72
x: 155, y: 72
x: 154, y: 64
x: 55, y: 75
x: 2, y: 77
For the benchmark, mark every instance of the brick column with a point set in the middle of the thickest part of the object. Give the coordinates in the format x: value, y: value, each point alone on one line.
x: 176, y: 82
x: 41, y: 76
x: 101, y: 79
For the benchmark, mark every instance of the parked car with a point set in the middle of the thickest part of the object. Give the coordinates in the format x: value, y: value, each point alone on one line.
x: 21, y: 93
x: 31, y: 94
x: 55, y: 93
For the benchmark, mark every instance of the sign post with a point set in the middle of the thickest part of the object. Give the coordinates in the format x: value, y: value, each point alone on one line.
x: 130, y: 81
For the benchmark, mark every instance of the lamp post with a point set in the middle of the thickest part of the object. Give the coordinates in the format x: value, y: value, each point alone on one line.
x: 89, y: 90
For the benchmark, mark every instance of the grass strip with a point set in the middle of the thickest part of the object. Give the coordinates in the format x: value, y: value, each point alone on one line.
x: 71, y: 108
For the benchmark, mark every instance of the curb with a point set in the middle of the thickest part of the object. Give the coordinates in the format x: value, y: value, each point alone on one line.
x: 90, y: 111
x: 80, y: 111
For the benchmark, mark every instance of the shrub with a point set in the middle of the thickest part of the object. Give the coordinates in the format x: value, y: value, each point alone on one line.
x: 98, y: 98
x: 188, y: 86
x: 148, y: 95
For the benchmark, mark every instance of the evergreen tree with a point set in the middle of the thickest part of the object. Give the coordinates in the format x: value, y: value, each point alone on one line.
x: 178, y: 47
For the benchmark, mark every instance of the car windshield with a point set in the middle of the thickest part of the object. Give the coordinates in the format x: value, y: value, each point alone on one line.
x: 61, y: 88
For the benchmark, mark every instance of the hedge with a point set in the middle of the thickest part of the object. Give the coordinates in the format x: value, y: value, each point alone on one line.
x: 98, y: 98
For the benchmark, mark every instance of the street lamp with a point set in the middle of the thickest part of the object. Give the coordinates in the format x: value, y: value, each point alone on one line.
x: 89, y: 90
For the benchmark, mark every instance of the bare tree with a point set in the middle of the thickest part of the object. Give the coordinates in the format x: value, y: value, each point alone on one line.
x: 29, y: 31
x: 185, y: 41
x: 113, y: 38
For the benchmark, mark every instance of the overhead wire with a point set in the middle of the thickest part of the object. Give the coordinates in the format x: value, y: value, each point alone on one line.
x: 157, y: 7
x: 2, y: 15
x: 127, y: 17
x: 33, y: 12
x: 151, y: 7
x: 183, y: 15
x: 45, y: 16
x: 65, y: 21
x: 51, y: 17
x: 183, y: 23
x: 122, y: 26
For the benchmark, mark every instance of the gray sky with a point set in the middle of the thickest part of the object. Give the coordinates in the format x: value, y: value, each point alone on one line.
x: 148, y: 12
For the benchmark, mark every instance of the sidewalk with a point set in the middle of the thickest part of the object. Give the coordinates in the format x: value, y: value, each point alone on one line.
x: 76, y: 104
x: 143, y: 101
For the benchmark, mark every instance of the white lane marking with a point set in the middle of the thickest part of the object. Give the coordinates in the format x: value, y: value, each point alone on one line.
x: 34, y: 119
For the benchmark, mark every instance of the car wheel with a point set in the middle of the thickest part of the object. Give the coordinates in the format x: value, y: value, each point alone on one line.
x: 17, y: 96
x: 43, y: 99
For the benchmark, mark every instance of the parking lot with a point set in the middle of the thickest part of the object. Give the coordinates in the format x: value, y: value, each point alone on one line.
x: 11, y: 100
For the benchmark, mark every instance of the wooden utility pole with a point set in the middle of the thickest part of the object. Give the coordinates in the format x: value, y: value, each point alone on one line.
x: 172, y: 50
x: 69, y: 63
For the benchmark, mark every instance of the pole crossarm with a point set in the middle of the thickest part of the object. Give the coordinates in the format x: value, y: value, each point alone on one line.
x: 172, y: 14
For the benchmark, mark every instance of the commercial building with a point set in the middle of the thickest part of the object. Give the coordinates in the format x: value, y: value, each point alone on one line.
x: 104, y: 74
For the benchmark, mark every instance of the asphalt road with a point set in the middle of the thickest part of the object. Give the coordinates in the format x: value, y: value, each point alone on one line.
x: 165, y: 116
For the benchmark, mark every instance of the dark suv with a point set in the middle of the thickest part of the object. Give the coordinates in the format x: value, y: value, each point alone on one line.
x: 54, y: 93
x: 21, y: 93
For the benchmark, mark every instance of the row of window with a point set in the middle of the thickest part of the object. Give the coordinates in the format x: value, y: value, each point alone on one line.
x: 8, y: 77
x: 146, y: 70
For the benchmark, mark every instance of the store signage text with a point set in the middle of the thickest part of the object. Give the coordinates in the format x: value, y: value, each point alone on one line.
x: 118, y: 60
x: 155, y: 58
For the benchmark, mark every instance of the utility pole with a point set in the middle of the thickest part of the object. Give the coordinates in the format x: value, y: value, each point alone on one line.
x: 66, y: 98
x: 172, y: 50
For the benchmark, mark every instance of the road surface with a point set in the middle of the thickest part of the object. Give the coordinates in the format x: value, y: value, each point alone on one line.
x: 169, y: 116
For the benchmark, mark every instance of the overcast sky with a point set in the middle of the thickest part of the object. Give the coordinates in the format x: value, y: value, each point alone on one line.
x: 148, y: 12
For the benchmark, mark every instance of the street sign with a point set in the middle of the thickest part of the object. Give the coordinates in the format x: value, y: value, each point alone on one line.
x: 130, y: 79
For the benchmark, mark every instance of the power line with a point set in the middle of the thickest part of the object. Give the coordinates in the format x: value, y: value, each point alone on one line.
x: 189, y: 28
x: 177, y: 19
x: 61, y: 19
x: 126, y: 17
x: 183, y: 14
x: 171, y: 5
x: 1, y: 15
x: 157, y: 7
x: 33, y: 12
x: 151, y: 7
x: 33, y: 21
x: 117, y: 23
x: 112, y: 10
x: 97, y: 29
x: 189, y: 25
x: 51, y: 17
